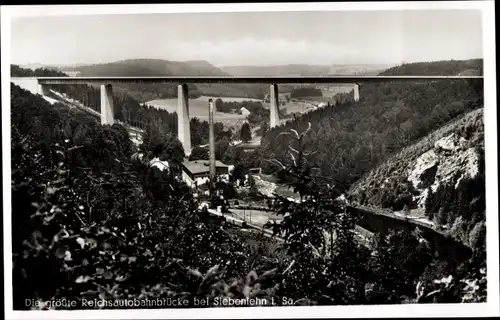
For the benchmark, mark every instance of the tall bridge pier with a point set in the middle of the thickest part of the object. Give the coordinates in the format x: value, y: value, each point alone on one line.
x: 183, y: 124
x: 107, y: 107
x: 43, y: 89
x: 356, y: 92
x: 274, y: 106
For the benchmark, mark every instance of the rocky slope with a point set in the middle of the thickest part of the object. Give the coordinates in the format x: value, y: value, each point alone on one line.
x: 447, y: 155
x: 451, y: 160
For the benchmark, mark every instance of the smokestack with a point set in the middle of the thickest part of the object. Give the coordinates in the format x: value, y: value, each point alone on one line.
x: 211, y: 141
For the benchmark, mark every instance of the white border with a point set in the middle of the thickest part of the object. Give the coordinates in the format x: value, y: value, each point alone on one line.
x: 44, y: 10
x: 491, y: 308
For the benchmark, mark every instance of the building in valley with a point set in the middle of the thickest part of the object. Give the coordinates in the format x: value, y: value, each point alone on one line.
x: 244, y: 111
x: 196, y: 173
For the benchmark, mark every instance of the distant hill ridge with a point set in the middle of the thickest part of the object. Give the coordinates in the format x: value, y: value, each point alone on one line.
x: 161, y: 67
x: 151, y: 67
x: 138, y: 67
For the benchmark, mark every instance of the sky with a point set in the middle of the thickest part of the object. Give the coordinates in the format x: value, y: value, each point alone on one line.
x: 251, y: 38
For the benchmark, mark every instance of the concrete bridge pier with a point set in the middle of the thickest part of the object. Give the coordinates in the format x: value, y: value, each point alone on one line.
x: 274, y: 106
x: 107, y: 108
x: 183, y: 124
x: 211, y: 141
x: 43, y: 89
x: 356, y: 92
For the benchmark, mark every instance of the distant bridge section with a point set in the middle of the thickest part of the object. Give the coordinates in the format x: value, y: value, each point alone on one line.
x: 107, y: 109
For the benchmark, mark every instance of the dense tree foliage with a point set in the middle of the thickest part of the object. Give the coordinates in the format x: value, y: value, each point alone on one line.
x: 203, y: 152
x: 247, y: 159
x: 306, y: 92
x: 247, y: 90
x: 158, y: 143
x: 200, y: 132
x: 437, y: 68
x: 264, y: 128
x: 89, y: 223
x: 387, y: 184
x: 461, y: 206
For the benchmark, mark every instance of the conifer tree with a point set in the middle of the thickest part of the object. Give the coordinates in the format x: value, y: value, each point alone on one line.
x: 246, y: 133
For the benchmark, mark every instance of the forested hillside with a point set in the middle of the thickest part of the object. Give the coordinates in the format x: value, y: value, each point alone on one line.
x: 351, y: 138
x: 472, y: 67
x: 89, y: 222
x: 442, y: 175
x: 443, y: 172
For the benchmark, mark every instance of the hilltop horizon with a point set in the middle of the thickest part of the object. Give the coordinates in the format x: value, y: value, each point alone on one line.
x: 248, y: 70
x: 222, y: 66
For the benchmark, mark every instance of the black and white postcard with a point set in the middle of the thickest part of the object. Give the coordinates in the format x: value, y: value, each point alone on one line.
x: 250, y: 160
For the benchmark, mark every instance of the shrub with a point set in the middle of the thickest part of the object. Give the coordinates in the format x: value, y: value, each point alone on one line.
x: 477, y: 236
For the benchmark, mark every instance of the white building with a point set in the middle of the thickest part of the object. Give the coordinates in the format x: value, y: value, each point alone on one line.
x: 244, y: 111
x: 156, y: 162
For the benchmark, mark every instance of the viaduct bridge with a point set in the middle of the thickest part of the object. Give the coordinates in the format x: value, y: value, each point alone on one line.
x: 368, y: 218
x: 40, y: 85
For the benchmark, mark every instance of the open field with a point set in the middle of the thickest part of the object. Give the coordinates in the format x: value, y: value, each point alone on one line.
x: 333, y: 90
x: 295, y: 107
x: 199, y: 107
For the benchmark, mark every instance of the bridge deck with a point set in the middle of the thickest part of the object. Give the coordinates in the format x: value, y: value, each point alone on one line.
x: 242, y: 79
